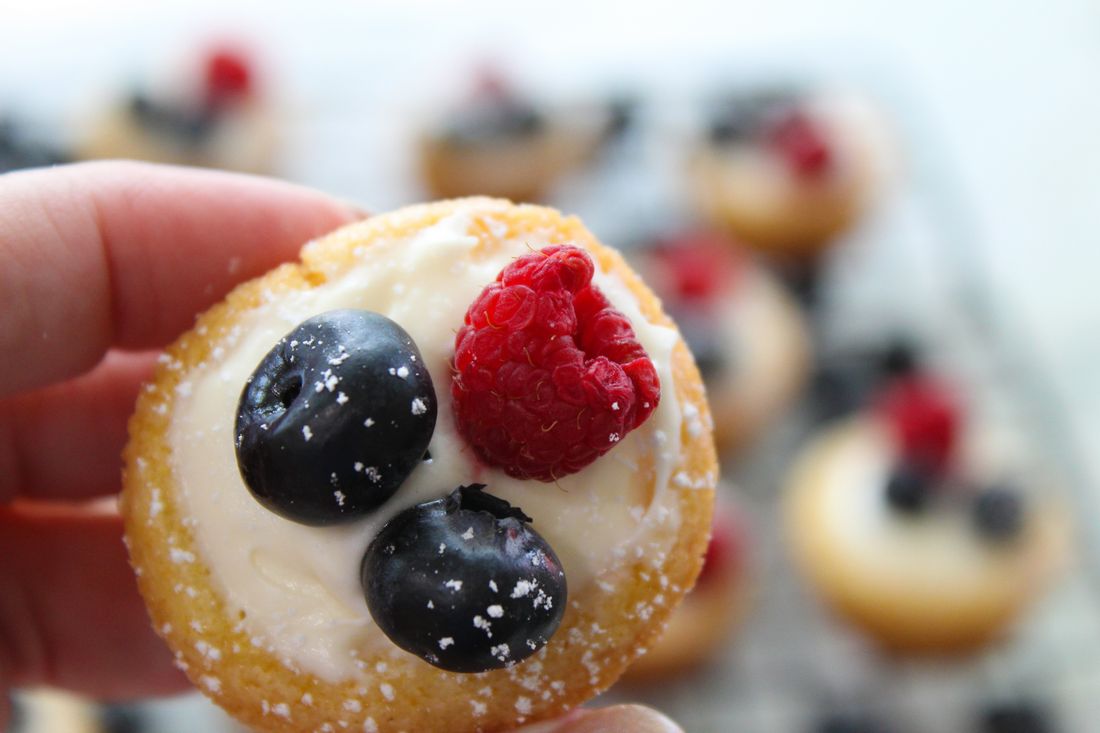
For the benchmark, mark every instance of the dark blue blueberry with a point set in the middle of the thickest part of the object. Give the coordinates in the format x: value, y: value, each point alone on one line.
x: 487, y: 122
x: 898, y: 359
x: 622, y: 113
x: 850, y: 722
x: 1019, y: 716
x: 836, y: 390
x: 998, y: 514
x: 464, y: 583
x: 121, y: 718
x: 18, y: 718
x: 908, y: 489
x: 189, y: 127
x: 335, y: 417
x: 743, y: 117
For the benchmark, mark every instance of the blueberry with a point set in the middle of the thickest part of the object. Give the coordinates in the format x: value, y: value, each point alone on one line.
x: 335, y: 417
x: 898, y: 358
x: 188, y: 127
x: 743, y: 117
x: 504, y: 119
x: 836, y: 390
x: 850, y: 722
x: 908, y: 489
x: 464, y: 582
x: 18, y: 715
x: 1015, y: 717
x: 120, y: 718
x: 998, y: 514
x: 622, y: 113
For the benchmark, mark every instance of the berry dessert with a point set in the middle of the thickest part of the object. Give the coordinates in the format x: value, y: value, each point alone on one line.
x: 747, y: 334
x: 917, y: 527
x: 450, y: 472
x: 787, y: 171
x: 702, y: 625
x: 215, y: 117
x: 497, y: 143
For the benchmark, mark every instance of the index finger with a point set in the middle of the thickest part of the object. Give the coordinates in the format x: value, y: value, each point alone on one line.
x: 125, y: 254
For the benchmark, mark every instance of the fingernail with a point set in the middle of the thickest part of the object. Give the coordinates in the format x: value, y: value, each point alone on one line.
x: 621, y: 719
x: 355, y: 211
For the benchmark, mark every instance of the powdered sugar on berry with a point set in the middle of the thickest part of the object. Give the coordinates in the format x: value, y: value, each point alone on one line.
x: 299, y: 585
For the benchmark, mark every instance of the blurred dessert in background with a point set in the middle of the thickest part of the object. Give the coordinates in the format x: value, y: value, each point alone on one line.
x: 46, y: 710
x: 707, y: 619
x: 19, y: 148
x: 787, y: 170
x: 497, y: 142
x: 747, y: 334
x: 216, y: 115
x: 915, y: 526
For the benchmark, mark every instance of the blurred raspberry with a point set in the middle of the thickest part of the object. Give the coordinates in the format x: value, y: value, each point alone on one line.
x: 802, y: 143
x: 699, y: 266
x: 228, y: 76
x: 923, y: 415
x: 549, y: 376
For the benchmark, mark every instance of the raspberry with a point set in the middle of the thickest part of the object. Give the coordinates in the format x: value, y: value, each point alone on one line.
x: 923, y: 415
x: 802, y: 143
x: 548, y: 376
x: 699, y: 265
x: 228, y: 76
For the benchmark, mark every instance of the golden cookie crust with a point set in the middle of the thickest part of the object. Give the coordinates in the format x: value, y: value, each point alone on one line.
x: 602, y: 631
x: 937, y: 614
x: 705, y: 621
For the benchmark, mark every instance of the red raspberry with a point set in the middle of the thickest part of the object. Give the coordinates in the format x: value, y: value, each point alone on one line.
x: 923, y: 415
x: 228, y: 76
x: 801, y: 142
x: 548, y: 376
x: 699, y: 265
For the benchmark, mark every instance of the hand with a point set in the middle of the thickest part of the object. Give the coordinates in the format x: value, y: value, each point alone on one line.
x: 99, y: 264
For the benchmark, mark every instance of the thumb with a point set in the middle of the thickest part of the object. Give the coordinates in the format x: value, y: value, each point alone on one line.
x: 614, y: 719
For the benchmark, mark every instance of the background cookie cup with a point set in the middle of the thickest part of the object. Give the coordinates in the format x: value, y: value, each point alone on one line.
x: 606, y: 625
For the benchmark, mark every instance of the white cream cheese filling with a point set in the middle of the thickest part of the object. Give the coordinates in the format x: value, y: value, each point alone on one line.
x: 298, y: 587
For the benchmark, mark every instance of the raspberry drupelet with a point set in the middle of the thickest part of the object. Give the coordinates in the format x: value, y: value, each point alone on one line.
x: 549, y: 376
